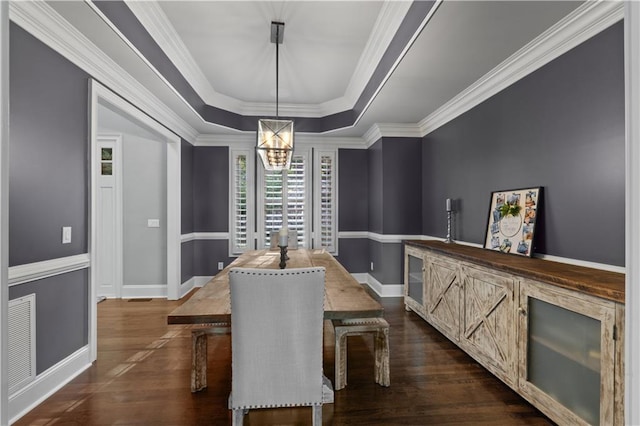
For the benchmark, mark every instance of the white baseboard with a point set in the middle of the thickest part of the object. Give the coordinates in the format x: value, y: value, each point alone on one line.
x: 201, y: 280
x: 191, y: 283
x: 186, y: 287
x: 47, y: 383
x: 144, y: 291
x: 382, y: 290
x: 362, y: 278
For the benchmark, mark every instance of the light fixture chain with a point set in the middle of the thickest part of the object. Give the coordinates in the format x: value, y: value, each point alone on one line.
x: 277, y: 66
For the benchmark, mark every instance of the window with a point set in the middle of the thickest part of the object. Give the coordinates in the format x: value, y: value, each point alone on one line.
x: 325, y: 197
x: 291, y: 189
x: 308, y: 191
x: 241, y: 194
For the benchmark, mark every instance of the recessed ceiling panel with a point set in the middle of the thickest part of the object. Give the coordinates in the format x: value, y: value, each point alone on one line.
x: 230, y: 42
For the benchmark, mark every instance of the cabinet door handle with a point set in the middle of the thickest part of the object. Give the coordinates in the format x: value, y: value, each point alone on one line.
x: 522, y: 310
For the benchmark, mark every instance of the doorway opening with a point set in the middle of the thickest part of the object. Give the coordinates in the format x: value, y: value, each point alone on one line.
x: 135, y: 205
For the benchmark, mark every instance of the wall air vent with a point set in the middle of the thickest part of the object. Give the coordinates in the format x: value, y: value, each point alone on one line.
x: 22, y: 342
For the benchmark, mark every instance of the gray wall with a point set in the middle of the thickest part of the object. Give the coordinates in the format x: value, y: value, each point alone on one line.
x: 48, y: 188
x: 376, y: 185
x: 389, y: 176
x: 561, y: 127
x: 47, y: 153
x: 210, y: 207
x: 401, y: 186
x: 61, y: 315
x: 186, y: 214
x: 387, y: 262
x: 211, y: 189
x: 353, y: 254
x: 353, y: 205
x: 144, y: 197
x: 353, y: 191
x: 186, y: 187
x: 380, y: 192
x: 207, y: 254
x: 395, y: 196
x: 186, y: 261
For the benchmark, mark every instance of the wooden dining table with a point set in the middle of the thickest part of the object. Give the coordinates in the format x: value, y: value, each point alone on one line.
x: 345, y: 297
x: 345, y: 300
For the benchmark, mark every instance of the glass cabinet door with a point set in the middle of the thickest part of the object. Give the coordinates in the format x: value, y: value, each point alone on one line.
x: 566, y: 345
x: 414, y: 280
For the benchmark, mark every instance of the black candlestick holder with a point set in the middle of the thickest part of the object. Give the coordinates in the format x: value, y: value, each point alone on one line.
x: 283, y: 257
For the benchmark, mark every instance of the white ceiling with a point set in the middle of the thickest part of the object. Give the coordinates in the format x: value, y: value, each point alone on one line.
x: 330, y: 51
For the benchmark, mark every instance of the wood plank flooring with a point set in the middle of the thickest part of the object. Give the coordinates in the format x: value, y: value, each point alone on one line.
x: 142, y: 377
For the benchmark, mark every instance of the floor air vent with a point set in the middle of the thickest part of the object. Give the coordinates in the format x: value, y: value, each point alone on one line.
x: 22, y: 342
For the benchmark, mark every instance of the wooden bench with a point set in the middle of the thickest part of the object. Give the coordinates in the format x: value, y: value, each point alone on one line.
x: 379, y: 327
x: 199, y: 353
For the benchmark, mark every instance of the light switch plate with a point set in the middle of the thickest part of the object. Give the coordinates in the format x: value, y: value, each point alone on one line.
x: 66, y: 234
x: 153, y: 223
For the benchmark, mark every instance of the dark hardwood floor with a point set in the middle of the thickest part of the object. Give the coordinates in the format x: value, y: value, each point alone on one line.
x: 142, y: 377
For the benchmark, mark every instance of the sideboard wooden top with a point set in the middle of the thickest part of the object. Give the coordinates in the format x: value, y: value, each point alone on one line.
x: 596, y: 282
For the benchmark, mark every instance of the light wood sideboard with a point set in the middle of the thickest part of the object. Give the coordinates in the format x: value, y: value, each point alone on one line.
x: 552, y: 332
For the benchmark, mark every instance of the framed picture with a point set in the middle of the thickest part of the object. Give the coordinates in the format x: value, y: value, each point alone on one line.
x: 512, y: 220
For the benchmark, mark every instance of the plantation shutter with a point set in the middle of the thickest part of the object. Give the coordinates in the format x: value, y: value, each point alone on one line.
x: 296, y: 199
x: 325, y: 201
x: 272, y: 204
x: 241, y: 218
x: 304, y: 195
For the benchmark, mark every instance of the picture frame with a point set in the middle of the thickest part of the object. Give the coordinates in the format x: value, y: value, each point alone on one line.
x: 512, y: 218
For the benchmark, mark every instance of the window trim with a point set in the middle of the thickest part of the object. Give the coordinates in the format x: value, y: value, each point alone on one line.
x: 317, y: 193
x: 251, y: 211
x: 255, y: 196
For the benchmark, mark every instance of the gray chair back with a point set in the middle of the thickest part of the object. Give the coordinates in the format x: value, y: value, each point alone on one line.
x: 276, y: 337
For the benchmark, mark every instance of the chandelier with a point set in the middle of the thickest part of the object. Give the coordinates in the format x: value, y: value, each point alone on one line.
x: 275, y: 136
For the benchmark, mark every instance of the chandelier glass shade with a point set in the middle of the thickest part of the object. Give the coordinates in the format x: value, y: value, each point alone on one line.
x: 275, y: 143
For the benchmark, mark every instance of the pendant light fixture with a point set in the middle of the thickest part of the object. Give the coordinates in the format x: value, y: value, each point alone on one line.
x: 275, y: 136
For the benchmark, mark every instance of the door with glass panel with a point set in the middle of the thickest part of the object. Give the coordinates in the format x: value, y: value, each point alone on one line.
x: 109, y: 216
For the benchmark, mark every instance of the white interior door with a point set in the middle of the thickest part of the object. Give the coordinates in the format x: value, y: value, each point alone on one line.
x: 109, y: 217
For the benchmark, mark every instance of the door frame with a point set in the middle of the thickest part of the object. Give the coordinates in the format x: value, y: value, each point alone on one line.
x: 101, y: 95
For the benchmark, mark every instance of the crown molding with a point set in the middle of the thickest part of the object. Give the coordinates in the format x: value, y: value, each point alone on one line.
x: 372, y: 135
x: 390, y: 130
x: 43, y: 22
x: 155, y: 21
x: 248, y: 140
x: 585, y: 22
x: 244, y: 139
x: 318, y: 141
x: 285, y: 110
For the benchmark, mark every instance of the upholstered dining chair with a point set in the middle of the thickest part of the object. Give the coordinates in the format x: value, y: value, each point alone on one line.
x: 276, y: 339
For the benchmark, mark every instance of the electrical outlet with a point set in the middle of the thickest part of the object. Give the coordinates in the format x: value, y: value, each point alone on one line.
x: 66, y: 234
x: 220, y: 266
x: 153, y: 223
x: 372, y: 266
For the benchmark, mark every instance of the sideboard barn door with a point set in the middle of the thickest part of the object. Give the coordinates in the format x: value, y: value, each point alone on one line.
x: 488, y: 324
